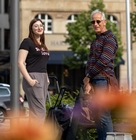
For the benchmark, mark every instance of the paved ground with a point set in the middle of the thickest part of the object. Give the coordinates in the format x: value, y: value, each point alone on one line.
x: 5, y: 126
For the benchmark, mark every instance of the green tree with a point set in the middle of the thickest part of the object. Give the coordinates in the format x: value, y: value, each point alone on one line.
x: 133, y: 23
x: 80, y: 35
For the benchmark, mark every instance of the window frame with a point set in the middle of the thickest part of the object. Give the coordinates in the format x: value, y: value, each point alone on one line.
x: 72, y: 18
x: 111, y: 17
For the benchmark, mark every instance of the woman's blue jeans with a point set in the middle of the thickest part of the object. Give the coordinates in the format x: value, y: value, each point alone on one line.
x: 102, y: 116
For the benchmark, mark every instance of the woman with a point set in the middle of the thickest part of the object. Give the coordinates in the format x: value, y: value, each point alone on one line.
x: 32, y: 62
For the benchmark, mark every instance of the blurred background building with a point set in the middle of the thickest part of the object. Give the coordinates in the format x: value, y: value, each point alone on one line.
x: 56, y: 14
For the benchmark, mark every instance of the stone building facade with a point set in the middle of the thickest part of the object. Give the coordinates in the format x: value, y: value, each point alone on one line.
x: 57, y: 13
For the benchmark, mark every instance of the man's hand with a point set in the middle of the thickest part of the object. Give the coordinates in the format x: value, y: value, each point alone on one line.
x: 86, y: 80
x: 87, y: 88
x: 87, y: 85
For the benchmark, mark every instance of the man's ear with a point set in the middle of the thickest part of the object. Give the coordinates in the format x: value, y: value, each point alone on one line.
x: 105, y: 22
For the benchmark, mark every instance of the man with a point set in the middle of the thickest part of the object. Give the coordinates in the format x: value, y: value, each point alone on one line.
x: 100, y: 63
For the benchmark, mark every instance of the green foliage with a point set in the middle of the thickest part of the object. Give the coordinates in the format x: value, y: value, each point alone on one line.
x: 78, y: 38
x: 80, y: 35
x: 96, y: 4
x: 89, y: 134
x: 68, y: 99
x: 133, y: 23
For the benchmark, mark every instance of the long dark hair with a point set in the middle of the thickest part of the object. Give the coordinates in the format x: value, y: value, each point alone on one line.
x: 31, y: 35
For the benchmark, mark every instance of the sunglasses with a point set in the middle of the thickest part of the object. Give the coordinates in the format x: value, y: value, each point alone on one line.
x: 97, y: 21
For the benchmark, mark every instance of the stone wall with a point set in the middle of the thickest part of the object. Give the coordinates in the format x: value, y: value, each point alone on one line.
x: 59, y: 10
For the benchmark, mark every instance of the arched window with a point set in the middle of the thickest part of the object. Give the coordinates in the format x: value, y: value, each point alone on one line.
x: 113, y: 19
x: 47, y: 20
x: 71, y: 18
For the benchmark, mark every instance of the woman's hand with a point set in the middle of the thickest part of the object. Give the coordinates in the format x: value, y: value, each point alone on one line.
x: 32, y: 82
x: 48, y: 80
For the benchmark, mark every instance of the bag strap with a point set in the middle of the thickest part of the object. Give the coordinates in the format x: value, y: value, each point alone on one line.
x: 57, y: 86
x: 60, y: 96
x: 106, y: 75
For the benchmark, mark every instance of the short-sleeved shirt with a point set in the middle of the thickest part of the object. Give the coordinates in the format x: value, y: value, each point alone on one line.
x: 37, y: 59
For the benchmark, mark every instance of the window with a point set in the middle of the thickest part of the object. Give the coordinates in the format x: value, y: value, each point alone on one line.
x: 6, y: 6
x: 0, y: 6
x: 6, y: 39
x: 71, y: 18
x: 113, y: 19
x: 0, y: 40
x: 47, y: 21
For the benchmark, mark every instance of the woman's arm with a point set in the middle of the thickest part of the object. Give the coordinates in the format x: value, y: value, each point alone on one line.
x: 48, y: 80
x: 21, y: 64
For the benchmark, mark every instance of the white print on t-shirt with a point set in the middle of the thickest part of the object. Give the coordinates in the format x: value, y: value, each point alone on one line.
x: 42, y: 51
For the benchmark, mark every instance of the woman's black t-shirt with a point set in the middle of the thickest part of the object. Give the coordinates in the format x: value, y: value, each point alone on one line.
x: 37, y: 59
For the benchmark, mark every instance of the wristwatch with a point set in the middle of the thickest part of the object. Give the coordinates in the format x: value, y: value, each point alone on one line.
x: 87, y: 75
